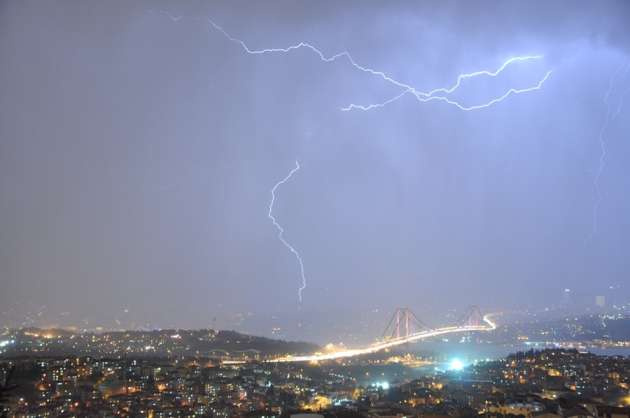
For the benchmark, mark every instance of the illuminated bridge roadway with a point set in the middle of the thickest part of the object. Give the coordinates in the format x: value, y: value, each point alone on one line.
x: 485, y: 325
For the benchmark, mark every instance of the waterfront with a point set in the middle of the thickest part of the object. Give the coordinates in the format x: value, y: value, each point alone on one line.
x: 444, y: 352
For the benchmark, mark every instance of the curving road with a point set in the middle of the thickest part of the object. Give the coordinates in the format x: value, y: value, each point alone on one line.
x: 488, y: 326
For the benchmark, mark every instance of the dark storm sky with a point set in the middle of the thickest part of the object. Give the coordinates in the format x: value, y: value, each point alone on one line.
x: 137, y: 154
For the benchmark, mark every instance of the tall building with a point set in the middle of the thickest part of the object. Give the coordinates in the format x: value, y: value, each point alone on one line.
x: 600, y: 301
x: 566, y: 298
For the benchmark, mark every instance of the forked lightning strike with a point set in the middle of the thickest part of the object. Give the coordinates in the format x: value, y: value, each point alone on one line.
x: 442, y: 94
x: 420, y: 96
x: 281, y: 229
x: 438, y: 94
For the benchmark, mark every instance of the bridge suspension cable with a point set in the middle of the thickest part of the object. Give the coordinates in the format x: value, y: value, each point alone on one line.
x: 486, y: 325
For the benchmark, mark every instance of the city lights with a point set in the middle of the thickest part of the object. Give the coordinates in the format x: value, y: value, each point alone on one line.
x: 456, y: 365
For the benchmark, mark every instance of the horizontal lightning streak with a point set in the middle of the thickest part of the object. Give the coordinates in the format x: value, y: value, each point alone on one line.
x: 408, y: 89
x: 445, y: 99
x: 494, y: 73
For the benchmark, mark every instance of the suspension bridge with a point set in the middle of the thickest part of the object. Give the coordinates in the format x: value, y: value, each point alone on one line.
x: 404, y: 327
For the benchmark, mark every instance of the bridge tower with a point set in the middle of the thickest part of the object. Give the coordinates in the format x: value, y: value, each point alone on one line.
x: 472, y: 317
x: 403, y: 324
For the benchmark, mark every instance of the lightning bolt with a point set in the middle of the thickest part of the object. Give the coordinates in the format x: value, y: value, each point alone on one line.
x: 441, y: 94
x: 280, y: 229
x: 425, y: 97
x: 438, y: 94
x: 608, y: 118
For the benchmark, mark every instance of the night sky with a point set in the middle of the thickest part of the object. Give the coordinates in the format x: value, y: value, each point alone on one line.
x: 139, y: 146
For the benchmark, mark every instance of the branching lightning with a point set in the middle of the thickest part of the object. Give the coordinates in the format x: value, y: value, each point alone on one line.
x: 281, y: 229
x: 438, y: 94
x: 441, y: 94
x: 433, y: 94
x: 611, y: 115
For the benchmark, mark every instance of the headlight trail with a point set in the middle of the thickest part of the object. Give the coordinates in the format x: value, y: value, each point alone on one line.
x: 489, y: 326
x: 281, y: 230
x: 437, y: 94
x: 610, y: 116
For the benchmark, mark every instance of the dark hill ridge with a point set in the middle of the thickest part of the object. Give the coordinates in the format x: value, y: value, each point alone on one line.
x: 166, y: 342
